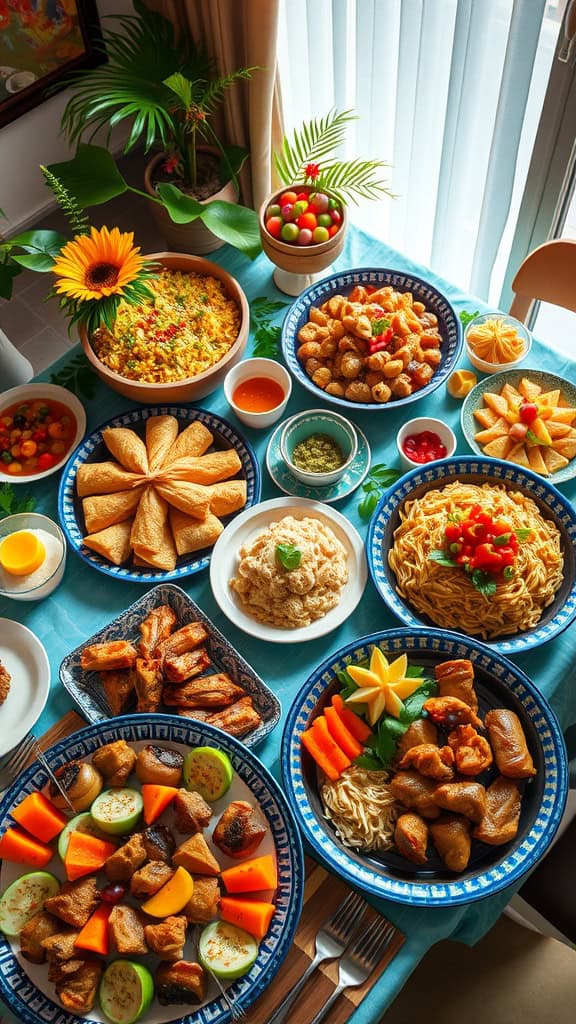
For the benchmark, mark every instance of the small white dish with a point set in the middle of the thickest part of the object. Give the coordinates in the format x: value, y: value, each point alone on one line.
x: 31, y: 393
x: 420, y: 425
x: 318, y: 421
x: 254, y: 368
x: 21, y: 588
x: 482, y: 364
x: 352, y: 478
x: 246, y: 527
x: 25, y: 658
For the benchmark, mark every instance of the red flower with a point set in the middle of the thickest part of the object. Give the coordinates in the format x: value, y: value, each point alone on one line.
x: 170, y: 164
x: 312, y: 170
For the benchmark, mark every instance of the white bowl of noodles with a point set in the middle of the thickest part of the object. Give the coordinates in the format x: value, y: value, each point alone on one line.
x: 535, y: 605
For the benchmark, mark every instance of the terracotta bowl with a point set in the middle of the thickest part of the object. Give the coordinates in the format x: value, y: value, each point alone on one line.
x: 303, y: 261
x: 189, y: 389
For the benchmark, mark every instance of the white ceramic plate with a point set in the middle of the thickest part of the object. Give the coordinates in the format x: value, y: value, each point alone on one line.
x: 246, y: 527
x: 24, y: 657
x: 31, y: 393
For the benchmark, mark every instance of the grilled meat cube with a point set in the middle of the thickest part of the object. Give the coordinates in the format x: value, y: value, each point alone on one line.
x: 111, y: 655
x: 511, y: 753
x: 450, y: 712
x: 180, y: 982
x: 238, y: 719
x: 240, y: 830
x: 451, y: 837
x: 167, y: 938
x: 38, y: 928
x: 199, y: 714
x: 192, y: 812
x: 196, y: 857
x: 155, y: 627
x: 148, y: 684
x: 472, y: 752
x: 158, y: 842
x: 215, y: 691
x: 75, y: 902
x: 420, y: 731
x: 467, y: 798
x: 159, y: 766
x: 500, y: 822
x: 411, y: 837
x: 413, y: 790
x: 203, y: 904
x: 5, y: 680
x: 178, y: 668
x: 149, y: 879
x: 431, y: 761
x: 118, y: 686
x: 59, y: 946
x: 78, y: 991
x: 122, y: 864
x: 183, y: 640
x: 58, y: 972
x: 126, y: 926
x: 115, y: 761
x: 456, y: 679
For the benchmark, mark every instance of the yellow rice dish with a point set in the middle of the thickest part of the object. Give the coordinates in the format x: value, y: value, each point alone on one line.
x: 189, y: 325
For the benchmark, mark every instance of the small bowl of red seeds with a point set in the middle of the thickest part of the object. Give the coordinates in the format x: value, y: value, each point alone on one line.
x: 423, y: 440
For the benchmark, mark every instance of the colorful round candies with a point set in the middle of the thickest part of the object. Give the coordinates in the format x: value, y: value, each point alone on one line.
x: 304, y: 219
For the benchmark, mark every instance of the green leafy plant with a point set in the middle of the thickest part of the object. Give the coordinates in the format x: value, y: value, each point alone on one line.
x: 10, y: 504
x: 77, y: 376
x: 168, y: 89
x: 266, y: 333
x: 308, y: 156
x: 466, y: 317
x: 378, y: 480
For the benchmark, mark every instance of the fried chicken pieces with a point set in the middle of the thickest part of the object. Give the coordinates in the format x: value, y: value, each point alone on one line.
x: 161, y: 497
x: 169, y: 666
x: 437, y: 784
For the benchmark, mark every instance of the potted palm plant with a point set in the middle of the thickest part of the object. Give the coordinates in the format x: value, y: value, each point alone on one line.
x: 168, y: 90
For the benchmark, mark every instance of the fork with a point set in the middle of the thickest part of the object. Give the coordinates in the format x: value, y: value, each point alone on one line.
x: 19, y: 757
x: 331, y: 941
x: 359, y: 961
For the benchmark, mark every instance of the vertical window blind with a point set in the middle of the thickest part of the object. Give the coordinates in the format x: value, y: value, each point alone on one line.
x: 449, y: 93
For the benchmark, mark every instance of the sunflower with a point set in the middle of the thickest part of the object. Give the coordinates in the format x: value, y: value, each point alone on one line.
x: 98, y: 265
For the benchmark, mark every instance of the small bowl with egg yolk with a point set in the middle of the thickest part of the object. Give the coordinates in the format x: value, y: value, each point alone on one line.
x: 32, y: 556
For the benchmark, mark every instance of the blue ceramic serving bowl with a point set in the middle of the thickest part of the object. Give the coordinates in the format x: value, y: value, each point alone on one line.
x: 552, y: 504
x: 498, y: 683
x: 318, y: 421
x: 25, y: 988
x: 343, y: 283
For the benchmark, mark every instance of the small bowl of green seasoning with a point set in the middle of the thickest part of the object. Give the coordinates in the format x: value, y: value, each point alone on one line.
x: 318, y: 446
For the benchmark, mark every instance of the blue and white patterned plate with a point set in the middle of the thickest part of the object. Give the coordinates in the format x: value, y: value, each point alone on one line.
x: 342, y: 283
x: 498, y: 683
x: 93, y: 449
x: 495, y: 383
x: 347, y: 483
x: 553, y: 505
x: 24, y: 986
x: 86, y: 687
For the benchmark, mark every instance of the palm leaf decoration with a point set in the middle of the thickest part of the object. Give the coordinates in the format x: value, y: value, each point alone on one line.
x: 313, y: 146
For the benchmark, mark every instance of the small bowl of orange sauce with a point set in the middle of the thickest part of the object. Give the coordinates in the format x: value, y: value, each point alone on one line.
x: 258, y: 391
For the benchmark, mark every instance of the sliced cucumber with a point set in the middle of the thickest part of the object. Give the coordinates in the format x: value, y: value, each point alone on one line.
x: 209, y: 772
x: 81, y: 823
x: 226, y: 950
x: 117, y: 811
x: 24, y: 898
x: 126, y: 991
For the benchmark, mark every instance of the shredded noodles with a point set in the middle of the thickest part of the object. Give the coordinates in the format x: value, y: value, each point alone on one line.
x: 361, y: 808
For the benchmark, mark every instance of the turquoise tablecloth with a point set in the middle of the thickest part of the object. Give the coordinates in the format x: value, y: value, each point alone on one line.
x: 87, y: 600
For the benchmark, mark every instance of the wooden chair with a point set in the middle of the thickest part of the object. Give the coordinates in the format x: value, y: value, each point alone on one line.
x: 548, y: 274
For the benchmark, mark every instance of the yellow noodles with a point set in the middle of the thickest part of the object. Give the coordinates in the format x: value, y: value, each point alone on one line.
x: 446, y: 595
x: 361, y: 808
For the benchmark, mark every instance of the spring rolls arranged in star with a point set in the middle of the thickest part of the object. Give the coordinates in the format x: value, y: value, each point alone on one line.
x: 509, y: 746
x: 161, y: 433
x: 192, y: 442
x: 112, y: 543
x: 127, y: 448
x: 207, y: 469
x: 104, y: 510
x: 194, y: 534
x: 105, y: 478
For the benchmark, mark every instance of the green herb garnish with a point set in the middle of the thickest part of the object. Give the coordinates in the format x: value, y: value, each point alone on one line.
x: 288, y: 556
x: 379, y: 326
x: 523, y: 534
x: 466, y: 317
x: 531, y: 436
x: 10, y: 505
x: 378, y: 480
x: 483, y: 582
x: 442, y: 558
x: 266, y: 334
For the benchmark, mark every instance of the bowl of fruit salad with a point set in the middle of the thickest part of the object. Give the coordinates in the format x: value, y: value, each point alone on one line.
x: 40, y: 424
x: 302, y: 232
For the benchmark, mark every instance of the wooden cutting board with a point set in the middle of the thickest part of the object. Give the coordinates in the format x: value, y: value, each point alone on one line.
x: 323, y: 894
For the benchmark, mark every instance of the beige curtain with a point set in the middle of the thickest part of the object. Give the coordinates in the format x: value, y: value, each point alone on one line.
x: 241, y: 33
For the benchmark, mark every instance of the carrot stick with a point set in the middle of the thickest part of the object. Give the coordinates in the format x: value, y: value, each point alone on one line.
x: 253, y: 875
x: 356, y: 725
x: 39, y: 817
x: 253, y: 916
x: 310, y: 741
x: 334, y: 753
x: 342, y: 736
x: 94, y: 934
x: 22, y: 849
